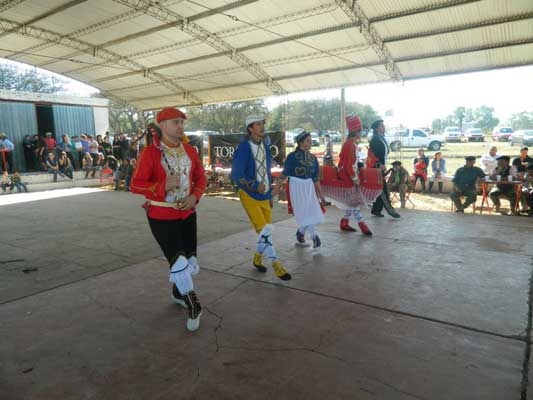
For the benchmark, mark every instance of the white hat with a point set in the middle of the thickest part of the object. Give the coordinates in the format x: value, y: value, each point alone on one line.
x: 250, y: 119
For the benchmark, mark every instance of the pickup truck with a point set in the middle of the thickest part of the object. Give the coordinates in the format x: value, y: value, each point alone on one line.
x: 414, y: 138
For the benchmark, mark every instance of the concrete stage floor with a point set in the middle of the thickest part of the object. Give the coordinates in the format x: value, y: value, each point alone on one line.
x: 433, y: 306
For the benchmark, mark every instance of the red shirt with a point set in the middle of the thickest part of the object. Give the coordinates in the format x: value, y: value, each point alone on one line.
x: 149, y: 179
x: 50, y: 143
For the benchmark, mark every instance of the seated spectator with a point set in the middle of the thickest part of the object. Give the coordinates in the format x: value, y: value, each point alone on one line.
x: 218, y: 163
x: 65, y: 165
x: 87, y: 164
x: 112, y: 163
x: 527, y: 189
x: 399, y: 180
x: 465, y: 184
x: 488, y: 161
x: 50, y: 143
x: 66, y: 146
x: 107, y: 148
x: 501, y: 173
x: 8, y: 147
x: 523, y: 161
x: 93, y: 148
x: 421, y: 172
x: 6, y: 182
x: 438, y: 168
x: 125, y: 171
x: 17, y: 182
x: 53, y: 165
x: 40, y: 153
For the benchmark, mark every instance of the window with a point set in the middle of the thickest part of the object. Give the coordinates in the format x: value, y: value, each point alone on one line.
x: 404, y: 133
x: 417, y: 133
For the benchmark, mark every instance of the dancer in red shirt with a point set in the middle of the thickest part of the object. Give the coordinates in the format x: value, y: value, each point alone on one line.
x: 170, y: 175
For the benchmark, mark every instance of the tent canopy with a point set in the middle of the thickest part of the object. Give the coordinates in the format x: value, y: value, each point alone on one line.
x: 182, y: 52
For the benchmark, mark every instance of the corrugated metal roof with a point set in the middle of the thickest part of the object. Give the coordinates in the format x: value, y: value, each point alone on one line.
x: 185, y: 52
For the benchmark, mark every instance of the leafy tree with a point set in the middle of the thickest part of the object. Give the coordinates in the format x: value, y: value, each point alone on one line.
x: 28, y: 81
x: 522, y: 120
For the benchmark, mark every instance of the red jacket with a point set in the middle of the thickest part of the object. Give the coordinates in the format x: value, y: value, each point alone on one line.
x: 149, y: 179
x: 347, y: 161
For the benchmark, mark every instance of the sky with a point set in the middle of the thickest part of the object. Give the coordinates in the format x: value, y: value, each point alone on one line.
x: 413, y: 103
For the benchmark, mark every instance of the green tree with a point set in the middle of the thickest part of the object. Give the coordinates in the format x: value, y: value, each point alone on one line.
x: 28, y: 81
x: 127, y: 119
x: 484, y: 118
x: 227, y: 117
x: 320, y: 114
x: 459, y: 115
x: 522, y: 120
x: 437, y: 125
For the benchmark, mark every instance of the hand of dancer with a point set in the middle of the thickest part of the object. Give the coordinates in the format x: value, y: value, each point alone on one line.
x: 261, y: 188
x: 172, y: 182
x: 271, y: 202
x: 187, y: 203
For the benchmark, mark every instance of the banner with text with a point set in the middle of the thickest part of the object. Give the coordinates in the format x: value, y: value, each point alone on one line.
x: 222, y: 147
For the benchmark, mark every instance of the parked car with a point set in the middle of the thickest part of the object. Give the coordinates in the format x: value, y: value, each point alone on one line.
x: 474, y: 134
x: 414, y: 138
x: 315, y: 139
x: 523, y: 137
x: 289, y: 139
x: 452, y: 134
x: 502, y: 133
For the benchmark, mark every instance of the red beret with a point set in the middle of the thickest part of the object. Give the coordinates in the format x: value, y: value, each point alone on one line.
x: 170, y: 113
x: 353, y: 123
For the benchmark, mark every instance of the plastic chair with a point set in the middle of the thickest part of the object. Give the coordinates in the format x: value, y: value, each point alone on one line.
x: 106, y: 176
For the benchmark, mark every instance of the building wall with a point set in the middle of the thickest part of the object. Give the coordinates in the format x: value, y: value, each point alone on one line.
x: 73, y: 120
x: 16, y: 121
x: 101, y: 120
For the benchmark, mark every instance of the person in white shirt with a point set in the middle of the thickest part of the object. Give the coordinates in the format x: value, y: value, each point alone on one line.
x: 488, y: 161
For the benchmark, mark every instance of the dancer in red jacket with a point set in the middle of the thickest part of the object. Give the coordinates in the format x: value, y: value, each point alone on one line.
x: 170, y: 175
x: 346, y: 187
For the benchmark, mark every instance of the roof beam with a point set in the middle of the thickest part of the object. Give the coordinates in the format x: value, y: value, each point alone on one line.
x: 358, y: 16
x: 47, y: 14
x: 461, y: 28
x: 228, y: 53
x: 442, y: 5
x: 7, y: 4
x: 195, y: 30
x: 88, y: 48
x: 159, y: 28
x: 371, y: 64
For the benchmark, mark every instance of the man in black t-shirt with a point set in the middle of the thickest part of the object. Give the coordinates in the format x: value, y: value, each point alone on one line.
x: 465, y: 184
x: 521, y: 163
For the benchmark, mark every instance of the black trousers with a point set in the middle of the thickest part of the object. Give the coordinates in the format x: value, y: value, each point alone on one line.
x: 383, y: 201
x: 176, y: 237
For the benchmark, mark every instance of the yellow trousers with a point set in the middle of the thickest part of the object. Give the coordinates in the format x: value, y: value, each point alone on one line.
x: 259, y: 211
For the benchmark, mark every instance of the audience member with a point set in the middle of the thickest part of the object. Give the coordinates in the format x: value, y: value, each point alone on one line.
x: 465, y: 183
x: 438, y: 168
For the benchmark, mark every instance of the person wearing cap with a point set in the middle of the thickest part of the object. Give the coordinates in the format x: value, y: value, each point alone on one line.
x: 398, y: 180
x: 438, y: 167
x: 465, y: 183
x: 8, y: 147
x: 377, y: 158
x: 251, y: 173
x: 503, y: 171
x: 344, y: 188
x: 304, y: 195
x: 523, y: 161
x: 171, y: 176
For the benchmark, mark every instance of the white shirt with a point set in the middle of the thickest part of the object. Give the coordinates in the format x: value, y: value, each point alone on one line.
x: 489, y: 163
x: 259, y: 154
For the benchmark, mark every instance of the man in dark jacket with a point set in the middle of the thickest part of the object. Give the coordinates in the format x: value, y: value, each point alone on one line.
x: 380, y: 150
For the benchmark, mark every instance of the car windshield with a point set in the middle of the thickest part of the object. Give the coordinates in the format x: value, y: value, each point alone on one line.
x: 475, y: 131
x: 453, y: 130
x: 506, y: 130
x: 528, y: 133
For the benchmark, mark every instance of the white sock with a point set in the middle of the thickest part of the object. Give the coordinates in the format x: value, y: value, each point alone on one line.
x: 311, y: 230
x: 264, y: 243
x: 180, y: 275
x: 357, y: 214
